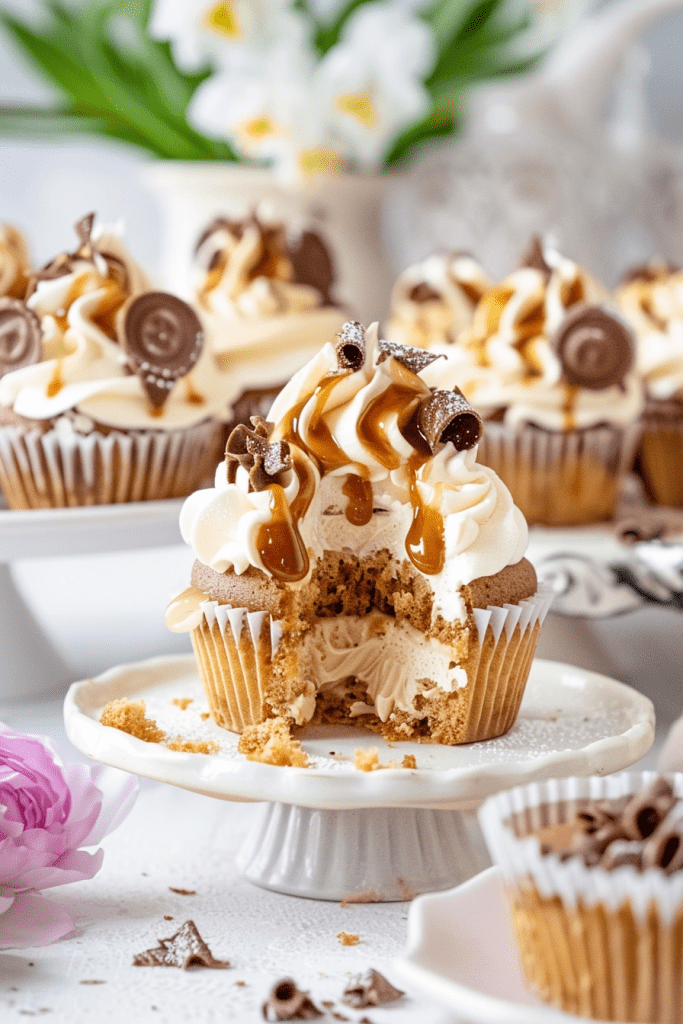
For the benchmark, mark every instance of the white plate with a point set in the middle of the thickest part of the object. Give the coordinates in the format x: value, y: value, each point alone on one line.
x: 462, y: 953
x: 572, y: 722
x: 43, y: 533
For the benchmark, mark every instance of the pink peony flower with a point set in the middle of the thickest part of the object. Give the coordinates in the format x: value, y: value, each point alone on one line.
x: 48, y: 811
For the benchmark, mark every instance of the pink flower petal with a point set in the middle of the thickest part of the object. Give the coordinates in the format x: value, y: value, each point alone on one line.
x: 33, y: 920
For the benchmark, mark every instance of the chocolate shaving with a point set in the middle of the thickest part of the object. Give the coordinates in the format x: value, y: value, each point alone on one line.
x: 287, y: 1002
x: 251, y: 450
x: 414, y: 359
x: 423, y: 292
x: 370, y: 989
x: 20, y: 336
x: 534, y: 257
x: 595, y: 347
x: 448, y: 416
x: 653, y: 270
x: 312, y: 264
x: 185, y: 949
x: 351, y: 346
x: 163, y: 339
x: 83, y: 229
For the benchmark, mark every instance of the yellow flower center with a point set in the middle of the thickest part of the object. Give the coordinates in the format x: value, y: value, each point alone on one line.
x: 358, y: 105
x: 312, y: 161
x: 258, y: 127
x: 223, y: 20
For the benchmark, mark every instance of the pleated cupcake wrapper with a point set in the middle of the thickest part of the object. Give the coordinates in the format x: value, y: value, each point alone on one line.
x: 661, y: 459
x: 604, y: 944
x: 541, y: 466
x: 235, y: 649
x: 54, y: 470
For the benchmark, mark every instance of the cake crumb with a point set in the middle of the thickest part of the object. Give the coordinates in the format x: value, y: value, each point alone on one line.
x: 205, y: 715
x: 366, y: 759
x: 183, y: 892
x: 348, y: 938
x: 92, y: 981
x: 272, y: 743
x: 182, y: 702
x: 168, y: 917
x: 129, y: 716
x: 362, y: 896
x: 192, y: 746
x: 239, y: 984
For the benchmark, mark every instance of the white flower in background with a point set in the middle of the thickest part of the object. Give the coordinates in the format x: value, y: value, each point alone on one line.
x: 553, y: 19
x: 214, y: 30
x: 373, y: 78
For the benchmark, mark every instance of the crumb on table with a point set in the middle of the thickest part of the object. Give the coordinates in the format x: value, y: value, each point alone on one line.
x: 348, y: 938
x: 271, y: 743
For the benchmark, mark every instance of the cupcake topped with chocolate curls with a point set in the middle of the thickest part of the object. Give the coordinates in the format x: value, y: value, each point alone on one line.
x: 15, y: 264
x: 356, y: 514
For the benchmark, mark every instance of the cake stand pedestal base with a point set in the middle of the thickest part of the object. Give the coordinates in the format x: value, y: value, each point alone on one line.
x: 374, y: 854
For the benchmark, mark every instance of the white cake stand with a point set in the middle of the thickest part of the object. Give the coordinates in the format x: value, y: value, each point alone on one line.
x: 332, y: 832
x: 31, y: 665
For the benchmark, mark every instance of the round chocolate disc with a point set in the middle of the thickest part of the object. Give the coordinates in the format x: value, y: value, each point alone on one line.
x: 163, y: 338
x: 595, y: 347
x: 20, y: 335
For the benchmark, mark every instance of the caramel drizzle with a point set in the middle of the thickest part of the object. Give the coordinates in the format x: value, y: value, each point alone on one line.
x: 56, y: 382
x: 192, y: 396
x: 425, y: 542
x: 571, y: 392
x: 182, y: 607
x: 279, y: 542
x: 361, y: 502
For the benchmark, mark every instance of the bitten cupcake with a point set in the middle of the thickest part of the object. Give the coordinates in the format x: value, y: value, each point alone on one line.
x: 433, y: 301
x: 551, y: 368
x: 651, y: 300
x: 265, y: 294
x: 15, y: 264
x: 355, y: 563
x: 107, y: 392
x: 594, y: 873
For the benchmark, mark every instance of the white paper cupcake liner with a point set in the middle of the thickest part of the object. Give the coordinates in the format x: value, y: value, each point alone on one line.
x: 53, y: 469
x: 235, y: 650
x: 560, y: 478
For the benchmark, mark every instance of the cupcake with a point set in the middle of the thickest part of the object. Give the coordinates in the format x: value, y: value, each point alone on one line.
x: 651, y: 300
x: 107, y: 392
x: 15, y: 265
x: 433, y: 302
x: 550, y: 367
x: 265, y: 294
x: 354, y: 563
x: 594, y: 874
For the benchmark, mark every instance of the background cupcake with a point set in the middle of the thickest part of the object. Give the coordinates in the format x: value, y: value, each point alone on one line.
x: 15, y: 264
x: 265, y: 295
x: 108, y: 393
x: 551, y: 369
x: 594, y: 873
x: 355, y: 563
x: 651, y: 300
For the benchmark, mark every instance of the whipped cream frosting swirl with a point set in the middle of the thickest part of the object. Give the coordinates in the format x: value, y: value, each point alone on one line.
x: 653, y: 305
x: 359, y: 483
x: 84, y: 372
x: 14, y: 263
x: 506, y: 363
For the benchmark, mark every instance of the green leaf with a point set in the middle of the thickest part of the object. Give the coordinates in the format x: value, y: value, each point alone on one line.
x: 441, y: 122
x: 448, y: 17
x: 328, y: 36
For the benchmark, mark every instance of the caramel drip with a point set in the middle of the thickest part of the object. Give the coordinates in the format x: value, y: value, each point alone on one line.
x: 213, y: 277
x: 425, y: 542
x: 319, y: 443
x: 56, y: 382
x: 361, y: 502
x: 568, y: 406
x: 155, y: 411
x: 76, y: 289
x: 373, y: 425
x: 109, y: 305
x: 182, y: 608
x: 192, y: 396
x: 280, y: 545
x: 572, y: 292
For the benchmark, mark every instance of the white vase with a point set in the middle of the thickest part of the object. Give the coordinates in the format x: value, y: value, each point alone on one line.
x: 344, y: 208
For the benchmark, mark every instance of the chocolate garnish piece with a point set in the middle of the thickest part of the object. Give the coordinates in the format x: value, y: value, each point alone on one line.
x: 448, y: 416
x: 185, y: 949
x: 370, y: 989
x: 287, y: 1002
x: 83, y: 229
x: 414, y: 359
x: 163, y: 338
x: 534, y: 257
x: 650, y: 271
x: 312, y: 263
x: 644, y: 811
x: 251, y: 450
x: 623, y: 852
x: 664, y: 849
x: 596, y: 348
x: 351, y: 346
x: 20, y: 335
x: 423, y: 292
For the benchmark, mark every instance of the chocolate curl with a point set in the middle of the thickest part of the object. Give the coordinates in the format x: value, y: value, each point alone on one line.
x: 83, y: 229
x: 370, y: 989
x: 414, y: 359
x: 287, y: 1002
x: 351, y: 346
x: 448, y: 416
x: 645, y: 811
x: 20, y: 336
x: 665, y: 849
x: 251, y: 450
x: 163, y: 339
x: 312, y: 263
x: 654, y: 270
x: 595, y: 347
x: 185, y: 949
x: 534, y: 257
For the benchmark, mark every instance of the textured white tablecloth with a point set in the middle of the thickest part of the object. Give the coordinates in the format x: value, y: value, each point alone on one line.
x: 178, y: 839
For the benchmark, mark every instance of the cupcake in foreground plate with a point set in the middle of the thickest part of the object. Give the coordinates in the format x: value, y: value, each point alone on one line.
x: 651, y: 300
x: 107, y: 392
x: 265, y: 294
x: 551, y: 368
x: 355, y: 563
x: 594, y: 873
